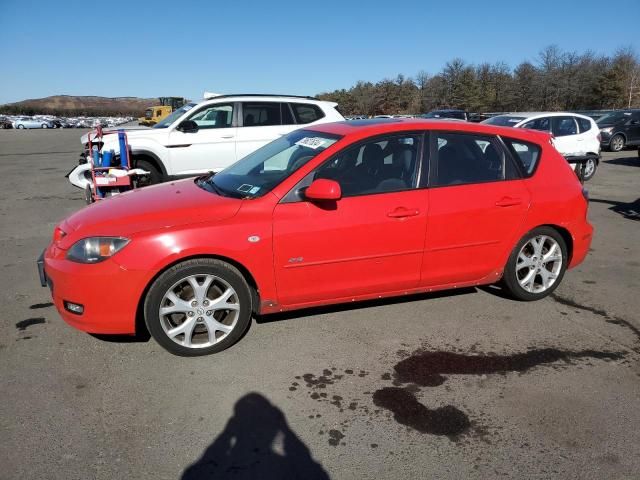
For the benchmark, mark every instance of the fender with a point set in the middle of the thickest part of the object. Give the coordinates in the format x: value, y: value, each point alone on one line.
x: 149, y: 153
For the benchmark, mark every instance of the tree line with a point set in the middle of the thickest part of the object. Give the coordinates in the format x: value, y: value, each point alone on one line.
x: 556, y: 80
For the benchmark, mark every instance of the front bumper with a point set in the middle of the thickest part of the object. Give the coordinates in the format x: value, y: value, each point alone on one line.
x: 108, y: 292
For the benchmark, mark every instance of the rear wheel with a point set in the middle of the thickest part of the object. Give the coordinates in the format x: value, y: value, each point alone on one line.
x: 590, y: 168
x: 21, y: 127
x: 44, y: 125
x: 617, y: 143
x: 536, y: 265
x: 198, y: 307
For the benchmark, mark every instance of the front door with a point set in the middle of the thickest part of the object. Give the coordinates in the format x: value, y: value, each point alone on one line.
x: 370, y: 241
x: 211, y: 147
x: 476, y: 207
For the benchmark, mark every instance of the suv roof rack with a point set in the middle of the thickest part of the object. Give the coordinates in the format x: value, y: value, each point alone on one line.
x: 209, y: 96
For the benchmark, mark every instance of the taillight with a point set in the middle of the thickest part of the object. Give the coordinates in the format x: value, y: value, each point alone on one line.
x: 58, y: 234
x: 599, y: 137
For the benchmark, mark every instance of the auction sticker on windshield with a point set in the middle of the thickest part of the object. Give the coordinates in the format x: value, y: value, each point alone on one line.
x: 311, y: 142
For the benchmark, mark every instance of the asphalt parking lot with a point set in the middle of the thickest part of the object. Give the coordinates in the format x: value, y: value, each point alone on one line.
x: 464, y: 384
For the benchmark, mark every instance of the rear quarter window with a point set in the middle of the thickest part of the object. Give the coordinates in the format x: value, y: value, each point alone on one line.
x: 525, y: 153
x: 306, y: 112
x: 583, y: 124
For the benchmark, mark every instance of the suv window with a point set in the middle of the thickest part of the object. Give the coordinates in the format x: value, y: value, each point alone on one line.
x: 261, y: 114
x: 543, y: 124
x: 306, y: 112
x: 463, y: 158
x: 584, y: 124
x: 526, y: 153
x: 214, y: 116
x: 386, y: 164
x: 563, y: 126
x: 287, y: 116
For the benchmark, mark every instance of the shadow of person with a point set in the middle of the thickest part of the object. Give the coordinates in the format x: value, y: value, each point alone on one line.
x: 256, y: 443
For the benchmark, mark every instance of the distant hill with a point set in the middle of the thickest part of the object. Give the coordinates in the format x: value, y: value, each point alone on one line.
x: 67, y: 105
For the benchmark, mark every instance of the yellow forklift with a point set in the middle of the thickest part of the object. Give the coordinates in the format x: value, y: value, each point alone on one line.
x: 153, y: 115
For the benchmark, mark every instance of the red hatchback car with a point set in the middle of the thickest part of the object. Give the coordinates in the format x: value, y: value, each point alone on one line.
x: 345, y: 211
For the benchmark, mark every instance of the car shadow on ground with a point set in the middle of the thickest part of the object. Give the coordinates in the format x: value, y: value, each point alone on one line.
x: 625, y: 162
x: 256, y: 443
x: 629, y: 210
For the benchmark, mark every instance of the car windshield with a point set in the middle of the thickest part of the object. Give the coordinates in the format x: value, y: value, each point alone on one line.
x: 259, y: 172
x: 614, y: 117
x: 503, y: 120
x: 174, y: 116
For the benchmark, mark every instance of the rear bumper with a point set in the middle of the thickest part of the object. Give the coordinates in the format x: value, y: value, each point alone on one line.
x: 108, y: 292
x: 582, y: 235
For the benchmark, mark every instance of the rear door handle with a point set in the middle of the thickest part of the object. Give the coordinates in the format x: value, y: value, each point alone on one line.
x: 508, y: 202
x: 402, y: 212
x: 227, y: 136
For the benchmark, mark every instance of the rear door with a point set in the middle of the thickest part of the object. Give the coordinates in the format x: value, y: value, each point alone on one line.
x: 633, y: 129
x: 477, y: 203
x: 211, y: 147
x: 566, y: 137
x: 261, y: 123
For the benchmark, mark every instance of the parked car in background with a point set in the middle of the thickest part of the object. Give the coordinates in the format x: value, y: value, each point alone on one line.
x: 574, y: 135
x: 620, y: 129
x: 447, y: 113
x: 213, y: 134
x: 330, y: 213
x: 26, y: 122
x: 5, y: 123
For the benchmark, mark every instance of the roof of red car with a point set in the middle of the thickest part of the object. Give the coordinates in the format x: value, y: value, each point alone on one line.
x: 376, y: 126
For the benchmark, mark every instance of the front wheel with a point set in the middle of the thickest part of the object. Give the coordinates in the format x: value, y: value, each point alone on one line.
x: 616, y: 143
x: 44, y: 125
x: 536, y: 265
x: 198, y: 307
x: 155, y: 176
x: 21, y: 127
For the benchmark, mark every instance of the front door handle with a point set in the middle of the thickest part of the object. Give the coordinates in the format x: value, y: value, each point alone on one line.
x: 508, y: 202
x: 402, y: 212
x: 227, y: 136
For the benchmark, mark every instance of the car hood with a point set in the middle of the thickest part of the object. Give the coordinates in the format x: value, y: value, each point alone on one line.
x: 132, y: 132
x: 156, y: 207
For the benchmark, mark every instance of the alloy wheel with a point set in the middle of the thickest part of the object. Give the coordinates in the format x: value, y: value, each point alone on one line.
x: 617, y: 143
x: 199, y: 311
x: 538, y: 264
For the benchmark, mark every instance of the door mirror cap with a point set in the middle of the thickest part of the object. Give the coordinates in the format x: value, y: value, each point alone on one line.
x: 187, y: 126
x: 323, y: 190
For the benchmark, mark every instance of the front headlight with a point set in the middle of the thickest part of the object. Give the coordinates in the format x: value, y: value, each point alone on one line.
x: 95, y: 249
x: 607, y: 130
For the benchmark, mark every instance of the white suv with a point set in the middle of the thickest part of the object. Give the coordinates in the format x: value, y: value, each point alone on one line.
x: 574, y: 135
x: 213, y: 134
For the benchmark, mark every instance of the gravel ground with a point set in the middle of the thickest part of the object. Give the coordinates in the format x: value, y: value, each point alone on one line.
x: 466, y: 384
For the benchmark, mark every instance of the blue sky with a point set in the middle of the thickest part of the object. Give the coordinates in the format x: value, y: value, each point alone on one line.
x: 181, y: 48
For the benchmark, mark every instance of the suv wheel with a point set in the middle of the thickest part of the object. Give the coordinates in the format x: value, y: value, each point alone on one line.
x: 154, y: 174
x: 590, y: 168
x: 198, y: 307
x: 617, y: 143
x: 536, y: 265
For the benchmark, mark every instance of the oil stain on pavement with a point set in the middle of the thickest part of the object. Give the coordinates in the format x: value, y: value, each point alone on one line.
x: 424, y: 368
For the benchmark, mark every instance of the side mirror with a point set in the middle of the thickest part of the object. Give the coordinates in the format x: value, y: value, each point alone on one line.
x: 187, y: 126
x: 323, y: 190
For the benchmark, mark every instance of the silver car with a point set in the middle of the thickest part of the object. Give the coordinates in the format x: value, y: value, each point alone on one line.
x: 31, y: 123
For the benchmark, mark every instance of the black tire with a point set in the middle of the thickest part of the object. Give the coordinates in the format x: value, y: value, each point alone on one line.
x: 44, y: 125
x: 589, y: 176
x: 153, y: 178
x: 21, y: 127
x: 510, y: 279
x: 202, y: 266
x: 616, y: 143
x: 88, y: 195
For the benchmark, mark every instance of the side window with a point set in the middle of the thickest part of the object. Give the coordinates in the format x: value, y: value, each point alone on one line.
x: 388, y: 164
x: 261, y: 114
x: 542, y: 124
x: 214, y: 116
x: 563, y: 126
x: 463, y: 158
x: 584, y: 124
x: 526, y: 153
x: 306, y: 112
x: 287, y: 116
